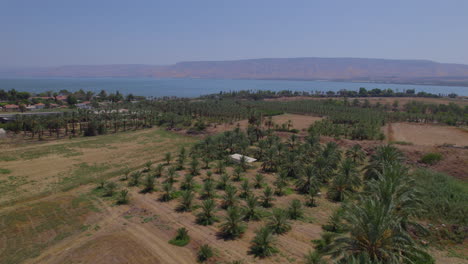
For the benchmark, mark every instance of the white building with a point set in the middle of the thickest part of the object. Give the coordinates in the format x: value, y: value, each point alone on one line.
x: 238, y: 157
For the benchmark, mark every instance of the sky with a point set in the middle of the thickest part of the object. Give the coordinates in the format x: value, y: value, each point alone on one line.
x: 69, y: 32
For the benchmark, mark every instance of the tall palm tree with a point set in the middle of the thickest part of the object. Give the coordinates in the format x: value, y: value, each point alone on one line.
x: 356, y: 154
x: 384, y: 155
x: 346, y: 181
x: 308, y: 181
x: 375, y: 232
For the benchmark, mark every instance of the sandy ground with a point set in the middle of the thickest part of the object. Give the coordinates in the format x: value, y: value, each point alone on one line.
x: 427, y: 135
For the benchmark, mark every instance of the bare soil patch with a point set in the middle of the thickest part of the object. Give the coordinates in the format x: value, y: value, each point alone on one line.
x: 427, y: 135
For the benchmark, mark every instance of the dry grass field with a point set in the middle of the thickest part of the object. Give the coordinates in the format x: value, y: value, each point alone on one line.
x: 427, y: 135
x: 51, y: 211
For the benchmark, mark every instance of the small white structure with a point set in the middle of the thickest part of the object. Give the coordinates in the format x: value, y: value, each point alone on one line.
x: 238, y: 157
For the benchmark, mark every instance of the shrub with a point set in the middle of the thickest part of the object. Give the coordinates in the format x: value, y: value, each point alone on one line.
x: 182, y: 238
x: 431, y: 158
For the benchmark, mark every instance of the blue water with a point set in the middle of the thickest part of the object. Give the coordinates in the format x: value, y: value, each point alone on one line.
x: 196, y: 87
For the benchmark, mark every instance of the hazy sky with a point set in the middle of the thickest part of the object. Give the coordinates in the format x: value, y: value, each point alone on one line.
x: 61, y: 32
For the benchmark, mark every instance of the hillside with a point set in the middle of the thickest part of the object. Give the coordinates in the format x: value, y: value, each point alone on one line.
x: 337, y: 69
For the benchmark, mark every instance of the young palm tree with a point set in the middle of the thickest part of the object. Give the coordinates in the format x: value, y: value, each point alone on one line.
x: 209, y: 176
x: 243, y: 163
x: 281, y: 183
x: 220, y: 167
x: 230, y: 198
x: 237, y: 173
x: 278, y: 221
x: 245, y: 187
x: 134, y: 178
x: 295, y: 210
x: 149, y: 183
x: 123, y: 197
x: 188, y: 183
x: 110, y: 188
x: 158, y: 170
x: 233, y: 226
x: 259, y: 181
x: 186, y: 201
x: 267, y: 197
x: 208, y: 190
x: 251, y: 212
x: 168, y: 192
x: 311, y: 198
x: 263, y: 244
x: 171, y: 175
x: 148, y: 166
x: 207, y: 215
x: 204, y: 253
x: 168, y: 158
x: 194, y: 167
x: 223, y: 182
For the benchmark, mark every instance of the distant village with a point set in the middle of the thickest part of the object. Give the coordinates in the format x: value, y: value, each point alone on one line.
x: 14, y: 101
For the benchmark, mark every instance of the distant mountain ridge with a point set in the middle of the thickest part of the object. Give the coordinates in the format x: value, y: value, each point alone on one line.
x: 333, y: 69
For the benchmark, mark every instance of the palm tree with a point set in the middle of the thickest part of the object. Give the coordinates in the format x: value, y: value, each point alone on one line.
x: 251, y: 212
x: 237, y: 173
x: 186, y: 201
x: 223, y: 182
x: 194, y: 167
x: 149, y: 183
x: 346, y: 181
x: 295, y: 210
x: 281, y: 183
x: 134, y: 178
x: 263, y: 243
x: 123, y: 197
x: 245, y: 186
x: 278, y: 221
x: 204, y: 253
x: 188, y: 183
x: 168, y: 192
x: 233, y: 227
x: 267, y: 197
x: 207, y: 215
x: 171, y: 175
x: 258, y: 181
x: 208, y: 191
x: 308, y: 181
x: 220, y: 167
x: 356, y: 154
x: 384, y: 155
x: 168, y: 158
x: 311, y: 198
x: 375, y: 232
x: 158, y: 170
x: 230, y: 198
x: 314, y: 257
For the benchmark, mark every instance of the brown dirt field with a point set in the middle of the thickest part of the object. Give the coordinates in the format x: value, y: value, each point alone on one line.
x: 299, y: 122
x: 383, y: 100
x: 427, y: 135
